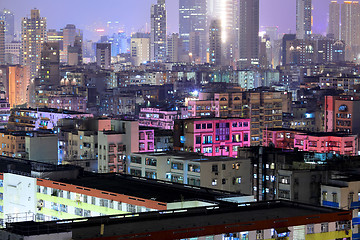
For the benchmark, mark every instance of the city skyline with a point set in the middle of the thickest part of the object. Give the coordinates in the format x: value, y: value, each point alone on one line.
x: 97, y: 17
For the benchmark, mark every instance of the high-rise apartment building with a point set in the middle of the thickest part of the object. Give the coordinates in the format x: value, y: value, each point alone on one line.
x: 103, y: 55
x: 303, y: 18
x: 50, y: 65
x: 334, y: 20
x: 33, y: 35
x: 140, y: 48
x: 193, y: 20
x: 350, y: 28
x: 2, y: 42
x: 158, y: 32
x: 215, y: 35
x: 249, y: 33
x: 8, y: 17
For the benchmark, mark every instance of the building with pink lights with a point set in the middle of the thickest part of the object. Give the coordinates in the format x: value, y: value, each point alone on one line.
x: 336, y: 143
x: 212, y: 136
x: 154, y: 117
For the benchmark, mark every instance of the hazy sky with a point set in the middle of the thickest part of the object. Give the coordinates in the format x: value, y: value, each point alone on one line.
x: 134, y: 14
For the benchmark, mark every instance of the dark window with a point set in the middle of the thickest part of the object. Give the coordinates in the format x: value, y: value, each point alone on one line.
x: 198, y: 126
x: 198, y: 140
x: 214, y: 168
x: 209, y: 125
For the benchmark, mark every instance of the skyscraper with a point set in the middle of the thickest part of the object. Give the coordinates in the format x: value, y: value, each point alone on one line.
x: 70, y: 33
x: 158, y: 32
x: 140, y: 52
x: 334, y: 20
x: 33, y: 35
x: 215, y: 41
x: 192, y: 19
x: 350, y: 28
x: 2, y: 42
x: 248, y: 33
x: 172, y: 48
x: 103, y: 55
x: 8, y: 17
x: 303, y: 18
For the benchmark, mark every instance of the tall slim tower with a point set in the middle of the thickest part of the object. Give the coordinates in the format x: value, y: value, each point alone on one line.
x: 248, y: 33
x: 70, y: 34
x: 303, y: 18
x: 215, y: 41
x: 158, y: 32
x: 2, y: 42
x: 33, y: 35
x: 193, y: 20
x: 350, y: 28
x: 8, y: 17
x: 334, y: 19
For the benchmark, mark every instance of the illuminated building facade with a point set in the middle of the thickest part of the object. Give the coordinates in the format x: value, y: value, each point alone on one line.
x: 19, y: 81
x: 33, y: 35
x: 215, y: 41
x: 303, y: 19
x: 212, y: 137
x: 8, y: 17
x: 193, y: 21
x: 158, y: 32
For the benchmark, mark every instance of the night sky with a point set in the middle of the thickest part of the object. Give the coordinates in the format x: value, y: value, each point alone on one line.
x: 134, y: 14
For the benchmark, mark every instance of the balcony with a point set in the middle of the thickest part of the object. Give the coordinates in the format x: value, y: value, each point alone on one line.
x: 330, y: 204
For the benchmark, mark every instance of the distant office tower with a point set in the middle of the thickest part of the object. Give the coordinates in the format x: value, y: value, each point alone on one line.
x: 70, y: 33
x: 350, y: 28
x: 158, y: 32
x: 192, y: 19
x: 75, y: 56
x: 227, y: 11
x: 18, y: 83
x: 173, y: 47
x: 103, y: 55
x: 195, y: 47
x: 119, y: 43
x: 89, y: 51
x: 249, y: 33
x: 140, y: 51
x: 303, y: 18
x: 8, y: 17
x: 33, y: 35
x: 49, y: 73
x: 215, y: 49
x: 286, y: 37
x: 2, y: 42
x: 334, y: 20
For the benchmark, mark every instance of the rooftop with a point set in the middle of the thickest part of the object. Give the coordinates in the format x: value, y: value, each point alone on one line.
x: 195, y: 222
x: 158, y: 190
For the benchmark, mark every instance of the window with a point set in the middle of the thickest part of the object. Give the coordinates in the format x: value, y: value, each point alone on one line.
x: 223, y: 181
x: 93, y: 202
x: 214, y: 182
x: 63, y: 208
x: 150, y: 161
x: 214, y: 168
x: 209, y: 125
x: 135, y: 159
x: 334, y: 196
x: 223, y: 166
x: 131, y: 208
x: 310, y: 229
x: 45, y: 190
x: 198, y: 140
x: 87, y: 213
x: 324, y: 227
x: 198, y: 126
x: 79, y: 211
